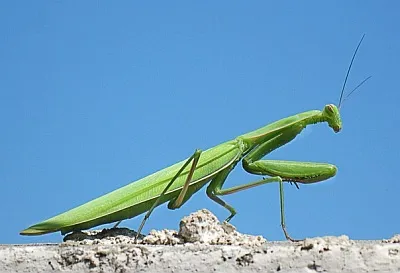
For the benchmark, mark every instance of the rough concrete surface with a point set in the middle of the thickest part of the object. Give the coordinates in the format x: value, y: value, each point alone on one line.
x: 201, y: 245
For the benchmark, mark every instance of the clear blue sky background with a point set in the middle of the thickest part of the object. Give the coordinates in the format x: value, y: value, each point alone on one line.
x: 93, y: 96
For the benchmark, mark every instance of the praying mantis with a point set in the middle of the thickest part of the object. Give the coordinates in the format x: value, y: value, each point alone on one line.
x: 177, y: 183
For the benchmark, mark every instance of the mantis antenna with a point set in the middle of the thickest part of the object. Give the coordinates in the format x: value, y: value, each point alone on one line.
x: 352, y: 91
x: 341, y: 99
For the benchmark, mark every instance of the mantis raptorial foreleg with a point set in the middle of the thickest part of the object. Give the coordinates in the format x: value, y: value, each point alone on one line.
x: 279, y: 170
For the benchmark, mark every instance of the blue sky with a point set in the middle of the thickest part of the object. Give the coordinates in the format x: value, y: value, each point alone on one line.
x: 96, y: 95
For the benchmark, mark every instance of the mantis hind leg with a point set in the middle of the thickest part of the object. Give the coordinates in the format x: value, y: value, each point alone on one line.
x: 180, y: 199
x: 185, y: 193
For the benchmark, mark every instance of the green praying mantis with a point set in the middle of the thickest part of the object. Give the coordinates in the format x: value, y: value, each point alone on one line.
x: 177, y: 183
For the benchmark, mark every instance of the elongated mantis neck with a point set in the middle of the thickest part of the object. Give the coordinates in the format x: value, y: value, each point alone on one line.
x: 317, y: 117
x: 329, y: 114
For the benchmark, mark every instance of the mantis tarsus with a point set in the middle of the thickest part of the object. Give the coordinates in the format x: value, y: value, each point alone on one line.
x: 177, y: 183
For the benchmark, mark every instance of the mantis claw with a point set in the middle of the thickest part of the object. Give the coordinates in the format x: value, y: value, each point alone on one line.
x: 287, y: 235
x: 229, y: 218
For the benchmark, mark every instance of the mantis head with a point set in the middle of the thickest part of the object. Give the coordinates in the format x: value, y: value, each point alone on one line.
x: 332, y: 116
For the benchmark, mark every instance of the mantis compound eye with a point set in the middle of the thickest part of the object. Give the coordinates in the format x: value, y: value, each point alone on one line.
x: 329, y: 108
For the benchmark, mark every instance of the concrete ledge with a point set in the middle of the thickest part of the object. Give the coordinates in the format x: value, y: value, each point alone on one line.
x: 201, y: 245
x: 319, y: 254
